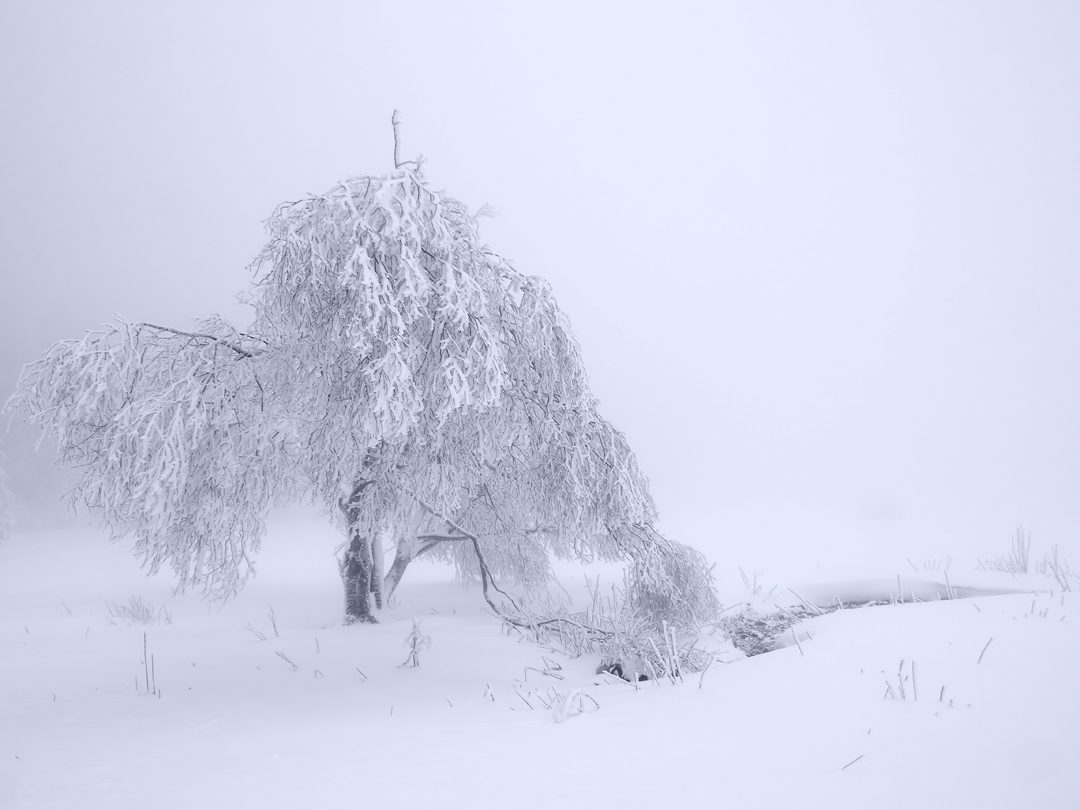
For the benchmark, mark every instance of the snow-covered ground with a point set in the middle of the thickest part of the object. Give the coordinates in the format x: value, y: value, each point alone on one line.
x: 881, y: 707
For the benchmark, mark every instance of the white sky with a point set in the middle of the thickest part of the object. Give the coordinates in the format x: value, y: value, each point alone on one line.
x: 823, y: 259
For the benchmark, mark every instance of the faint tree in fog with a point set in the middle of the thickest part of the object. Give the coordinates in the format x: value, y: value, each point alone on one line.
x: 7, y: 503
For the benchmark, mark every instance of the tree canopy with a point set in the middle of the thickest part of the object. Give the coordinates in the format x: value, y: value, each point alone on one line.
x: 395, y: 367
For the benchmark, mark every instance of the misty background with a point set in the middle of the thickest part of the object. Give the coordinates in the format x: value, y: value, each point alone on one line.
x: 823, y: 259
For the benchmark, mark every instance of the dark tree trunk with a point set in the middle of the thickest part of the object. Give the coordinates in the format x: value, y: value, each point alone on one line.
x: 356, y: 574
x: 357, y: 569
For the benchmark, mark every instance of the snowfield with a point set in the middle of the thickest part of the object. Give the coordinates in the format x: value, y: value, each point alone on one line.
x: 885, y: 707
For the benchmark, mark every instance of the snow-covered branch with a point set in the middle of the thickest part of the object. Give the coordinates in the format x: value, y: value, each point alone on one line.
x: 177, y: 442
x: 198, y: 335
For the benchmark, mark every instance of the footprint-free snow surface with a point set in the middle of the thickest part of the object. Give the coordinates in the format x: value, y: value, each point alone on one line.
x: 269, y: 701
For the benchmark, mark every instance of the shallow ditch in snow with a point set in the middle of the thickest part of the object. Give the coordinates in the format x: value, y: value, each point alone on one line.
x: 758, y: 631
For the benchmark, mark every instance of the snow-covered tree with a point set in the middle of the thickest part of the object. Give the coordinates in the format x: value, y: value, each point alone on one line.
x: 397, y: 370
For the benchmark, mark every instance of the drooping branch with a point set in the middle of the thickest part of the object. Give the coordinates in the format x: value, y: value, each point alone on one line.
x: 201, y: 335
x: 485, y: 573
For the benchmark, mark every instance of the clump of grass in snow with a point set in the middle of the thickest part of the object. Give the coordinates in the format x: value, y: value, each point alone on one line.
x: 1052, y: 566
x: 754, y: 589
x: 901, y: 680
x: 1016, y: 561
x: 566, y: 705
x: 932, y: 565
x: 137, y: 611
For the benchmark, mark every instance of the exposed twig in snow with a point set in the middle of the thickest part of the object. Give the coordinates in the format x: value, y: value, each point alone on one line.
x: 860, y: 756
x: 285, y: 658
x: 701, y: 680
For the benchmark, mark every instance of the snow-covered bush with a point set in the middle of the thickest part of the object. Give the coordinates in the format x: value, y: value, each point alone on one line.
x: 755, y: 631
x: 648, y: 628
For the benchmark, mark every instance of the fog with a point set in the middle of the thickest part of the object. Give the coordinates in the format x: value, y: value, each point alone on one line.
x: 823, y: 259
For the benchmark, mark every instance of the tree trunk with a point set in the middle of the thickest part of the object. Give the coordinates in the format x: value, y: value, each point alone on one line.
x: 357, y: 567
x: 356, y: 574
x: 408, y: 548
x: 397, y: 570
x: 378, y: 565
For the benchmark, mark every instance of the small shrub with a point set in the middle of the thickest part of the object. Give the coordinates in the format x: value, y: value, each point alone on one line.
x: 417, y: 642
x: 755, y: 632
x: 634, y: 644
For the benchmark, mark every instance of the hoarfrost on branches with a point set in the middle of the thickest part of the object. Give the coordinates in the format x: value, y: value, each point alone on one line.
x: 178, y: 443
x: 397, y: 369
